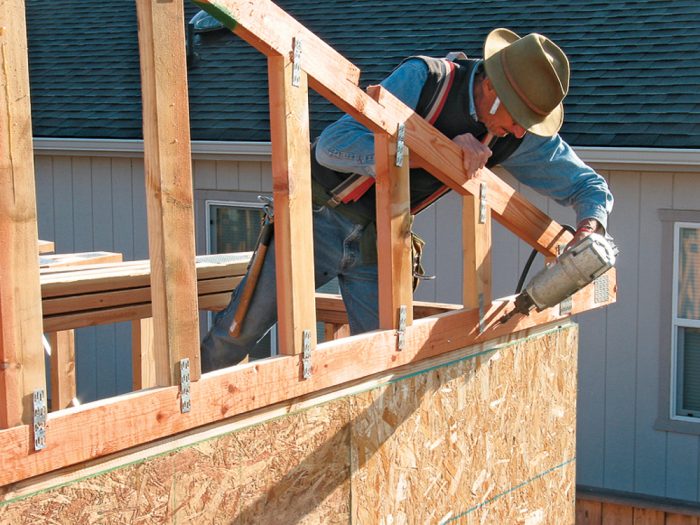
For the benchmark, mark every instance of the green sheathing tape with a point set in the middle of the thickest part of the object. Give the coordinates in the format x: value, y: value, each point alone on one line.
x: 221, y: 14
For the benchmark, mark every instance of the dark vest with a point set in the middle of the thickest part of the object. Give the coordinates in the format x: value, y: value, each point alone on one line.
x: 454, y: 119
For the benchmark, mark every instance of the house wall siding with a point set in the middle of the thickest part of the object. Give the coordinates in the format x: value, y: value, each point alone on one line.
x: 98, y: 203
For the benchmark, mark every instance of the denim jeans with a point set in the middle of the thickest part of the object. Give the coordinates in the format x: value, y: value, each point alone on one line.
x: 338, y: 252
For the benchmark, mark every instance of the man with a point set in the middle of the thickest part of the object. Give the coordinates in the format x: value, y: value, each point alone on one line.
x: 505, y: 109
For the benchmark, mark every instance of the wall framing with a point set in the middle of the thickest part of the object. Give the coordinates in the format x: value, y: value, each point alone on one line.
x: 81, y: 434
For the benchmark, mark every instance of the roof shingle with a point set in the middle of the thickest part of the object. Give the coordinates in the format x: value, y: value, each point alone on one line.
x: 635, y: 64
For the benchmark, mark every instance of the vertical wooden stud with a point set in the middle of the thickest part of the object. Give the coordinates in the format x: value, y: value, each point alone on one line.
x: 476, y: 249
x: 22, y: 367
x: 335, y: 331
x: 63, y: 389
x: 142, y: 353
x: 291, y: 183
x: 393, y: 233
x: 169, y: 195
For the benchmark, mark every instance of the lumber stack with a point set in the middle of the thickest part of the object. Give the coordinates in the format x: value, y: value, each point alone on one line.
x: 74, y: 297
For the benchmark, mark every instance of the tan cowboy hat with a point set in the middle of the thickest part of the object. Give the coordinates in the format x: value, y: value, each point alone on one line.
x: 530, y: 76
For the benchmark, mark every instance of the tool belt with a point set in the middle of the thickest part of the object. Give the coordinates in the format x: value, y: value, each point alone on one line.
x: 368, y: 242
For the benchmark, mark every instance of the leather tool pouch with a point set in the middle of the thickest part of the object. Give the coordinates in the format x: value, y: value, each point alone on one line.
x: 417, y: 245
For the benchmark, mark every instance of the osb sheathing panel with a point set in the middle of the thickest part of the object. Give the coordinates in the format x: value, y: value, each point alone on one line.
x: 486, y: 438
x: 445, y: 444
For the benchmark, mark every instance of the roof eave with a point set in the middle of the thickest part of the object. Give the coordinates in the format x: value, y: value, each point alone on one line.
x: 654, y: 159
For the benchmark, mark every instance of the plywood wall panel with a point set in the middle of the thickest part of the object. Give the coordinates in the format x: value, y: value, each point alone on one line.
x: 486, y: 437
x: 468, y: 434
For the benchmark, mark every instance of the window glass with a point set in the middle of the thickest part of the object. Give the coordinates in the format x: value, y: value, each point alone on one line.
x: 686, y: 321
x: 689, y: 356
x: 233, y: 228
x: 688, y: 270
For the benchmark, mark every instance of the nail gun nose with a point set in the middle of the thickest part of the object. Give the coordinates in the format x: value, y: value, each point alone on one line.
x: 508, y: 316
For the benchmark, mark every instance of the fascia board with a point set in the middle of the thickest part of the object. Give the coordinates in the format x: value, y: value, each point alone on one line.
x: 654, y: 159
x: 134, y: 148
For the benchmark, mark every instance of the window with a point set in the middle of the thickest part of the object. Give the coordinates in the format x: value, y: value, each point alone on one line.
x: 685, y: 391
x: 234, y: 227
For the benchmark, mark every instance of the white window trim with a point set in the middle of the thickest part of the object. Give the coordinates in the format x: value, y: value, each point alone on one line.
x: 677, y: 322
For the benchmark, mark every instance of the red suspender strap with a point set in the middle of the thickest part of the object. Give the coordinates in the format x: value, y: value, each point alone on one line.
x: 355, y: 186
x: 444, y: 90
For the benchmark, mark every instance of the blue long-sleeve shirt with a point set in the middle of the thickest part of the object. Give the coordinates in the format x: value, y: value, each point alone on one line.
x: 546, y: 164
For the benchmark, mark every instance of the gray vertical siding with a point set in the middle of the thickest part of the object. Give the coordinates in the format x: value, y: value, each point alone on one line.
x: 650, y: 446
x: 98, y: 203
x: 683, y: 451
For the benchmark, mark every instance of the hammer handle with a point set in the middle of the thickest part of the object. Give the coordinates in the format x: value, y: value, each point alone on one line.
x: 251, y: 281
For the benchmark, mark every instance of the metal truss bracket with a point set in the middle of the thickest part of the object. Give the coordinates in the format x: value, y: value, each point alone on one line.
x: 296, y: 62
x: 481, y: 313
x: 306, y: 355
x: 185, y: 401
x: 400, y: 144
x: 482, y: 203
x: 39, y: 406
x: 566, y: 305
x: 401, y: 333
x: 601, y: 292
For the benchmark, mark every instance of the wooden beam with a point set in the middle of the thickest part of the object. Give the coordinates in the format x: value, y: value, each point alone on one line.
x: 91, y: 431
x: 291, y: 184
x: 444, y: 159
x: 393, y: 233
x: 270, y: 30
x: 476, y: 252
x: 78, y: 259
x: 142, y: 353
x: 132, y: 274
x: 169, y: 197
x: 331, y: 309
x: 63, y: 387
x: 21, y: 350
x: 336, y: 331
x: 103, y: 299
x: 45, y: 246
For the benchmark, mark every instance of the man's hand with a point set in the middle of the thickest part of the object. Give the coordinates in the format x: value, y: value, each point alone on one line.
x: 475, y: 154
x: 584, y: 229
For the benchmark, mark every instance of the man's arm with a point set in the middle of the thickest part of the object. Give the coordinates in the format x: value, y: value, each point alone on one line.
x: 348, y: 146
x: 552, y: 168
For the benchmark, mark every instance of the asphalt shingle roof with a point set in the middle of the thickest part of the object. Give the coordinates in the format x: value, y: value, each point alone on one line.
x: 635, y: 64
